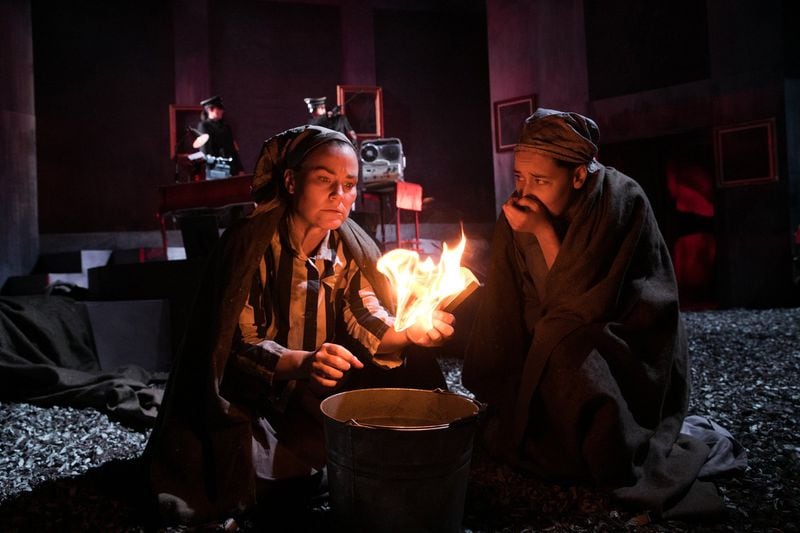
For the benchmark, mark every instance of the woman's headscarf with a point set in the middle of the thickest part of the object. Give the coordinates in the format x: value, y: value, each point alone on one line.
x: 563, y: 135
x: 287, y: 150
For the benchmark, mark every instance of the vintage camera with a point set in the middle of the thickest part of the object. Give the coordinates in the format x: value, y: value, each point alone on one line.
x: 382, y: 162
x: 218, y: 167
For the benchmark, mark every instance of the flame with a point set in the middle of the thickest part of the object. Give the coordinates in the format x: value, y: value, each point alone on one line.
x: 422, y: 286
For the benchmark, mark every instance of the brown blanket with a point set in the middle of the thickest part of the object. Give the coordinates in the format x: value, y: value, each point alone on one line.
x: 598, y: 387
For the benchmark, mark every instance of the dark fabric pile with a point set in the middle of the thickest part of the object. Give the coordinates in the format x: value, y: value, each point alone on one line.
x: 69, y: 469
x: 48, y: 357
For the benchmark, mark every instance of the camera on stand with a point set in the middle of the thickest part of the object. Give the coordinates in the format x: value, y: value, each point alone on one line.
x: 382, y: 162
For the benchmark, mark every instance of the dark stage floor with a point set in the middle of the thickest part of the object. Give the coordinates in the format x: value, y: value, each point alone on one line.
x: 63, y: 469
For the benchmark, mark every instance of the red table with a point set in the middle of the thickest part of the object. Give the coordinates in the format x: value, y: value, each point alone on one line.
x: 208, y: 194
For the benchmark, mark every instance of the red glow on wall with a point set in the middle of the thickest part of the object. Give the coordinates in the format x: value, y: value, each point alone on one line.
x: 694, y: 251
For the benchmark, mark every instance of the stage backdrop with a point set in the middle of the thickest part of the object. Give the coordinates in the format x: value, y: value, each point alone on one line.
x: 105, y: 77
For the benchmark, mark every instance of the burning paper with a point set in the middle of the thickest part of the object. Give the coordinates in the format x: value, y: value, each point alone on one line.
x: 422, y: 287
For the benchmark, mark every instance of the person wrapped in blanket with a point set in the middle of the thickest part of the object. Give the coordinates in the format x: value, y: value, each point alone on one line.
x: 291, y: 309
x: 578, y: 345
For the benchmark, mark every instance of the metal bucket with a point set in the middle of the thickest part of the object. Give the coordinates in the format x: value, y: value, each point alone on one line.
x: 398, y: 459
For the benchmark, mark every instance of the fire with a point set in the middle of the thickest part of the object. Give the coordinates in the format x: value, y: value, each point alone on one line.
x: 422, y: 286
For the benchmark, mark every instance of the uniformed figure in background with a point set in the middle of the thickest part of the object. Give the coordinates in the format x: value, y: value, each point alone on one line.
x: 318, y: 115
x: 220, y: 142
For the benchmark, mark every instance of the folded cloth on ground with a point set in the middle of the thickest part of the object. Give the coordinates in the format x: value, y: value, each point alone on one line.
x: 726, y: 456
x: 48, y: 357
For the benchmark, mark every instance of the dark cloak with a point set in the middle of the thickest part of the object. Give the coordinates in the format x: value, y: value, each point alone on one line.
x: 200, y: 452
x: 599, y: 388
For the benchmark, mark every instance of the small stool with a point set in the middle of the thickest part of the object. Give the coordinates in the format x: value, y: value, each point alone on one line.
x: 408, y: 197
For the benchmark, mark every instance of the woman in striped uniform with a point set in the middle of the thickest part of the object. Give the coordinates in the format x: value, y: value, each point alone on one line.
x: 291, y: 309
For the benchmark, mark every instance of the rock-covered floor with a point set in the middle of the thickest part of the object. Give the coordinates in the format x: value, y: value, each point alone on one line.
x: 64, y: 469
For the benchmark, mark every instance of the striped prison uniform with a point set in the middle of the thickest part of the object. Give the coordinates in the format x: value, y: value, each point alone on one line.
x: 295, y: 301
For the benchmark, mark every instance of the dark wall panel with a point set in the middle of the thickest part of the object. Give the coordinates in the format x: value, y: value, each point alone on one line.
x: 433, y: 68
x: 634, y: 46
x: 755, y: 254
x: 104, y: 76
x: 19, y: 233
x: 265, y: 57
x: 791, y: 39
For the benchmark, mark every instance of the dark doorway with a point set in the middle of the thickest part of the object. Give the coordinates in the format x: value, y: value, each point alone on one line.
x: 677, y: 173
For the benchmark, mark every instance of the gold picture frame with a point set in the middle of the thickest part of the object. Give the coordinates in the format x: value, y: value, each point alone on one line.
x: 509, y: 116
x: 181, y: 118
x: 363, y: 107
x: 745, y: 153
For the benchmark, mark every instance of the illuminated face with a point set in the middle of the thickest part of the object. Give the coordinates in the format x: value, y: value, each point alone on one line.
x: 214, y: 112
x: 539, y: 175
x: 324, y: 188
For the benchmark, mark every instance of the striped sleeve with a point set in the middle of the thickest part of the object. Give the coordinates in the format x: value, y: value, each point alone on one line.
x: 251, y: 352
x: 365, y: 318
x: 259, y: 359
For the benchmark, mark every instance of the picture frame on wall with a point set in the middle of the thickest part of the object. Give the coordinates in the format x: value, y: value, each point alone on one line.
x: 181, y: 118
x: 363, y: 107
x: 509, y: 117
x: 745, y: 153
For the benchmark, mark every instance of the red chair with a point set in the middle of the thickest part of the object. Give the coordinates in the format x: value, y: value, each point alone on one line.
x: 408, y: 197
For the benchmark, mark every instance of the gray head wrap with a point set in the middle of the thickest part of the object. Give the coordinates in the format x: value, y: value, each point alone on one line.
x: 563, y: 135
x: 287, y: 150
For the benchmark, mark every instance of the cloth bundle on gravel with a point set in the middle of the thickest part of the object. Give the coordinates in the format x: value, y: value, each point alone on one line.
x: 48, y: 357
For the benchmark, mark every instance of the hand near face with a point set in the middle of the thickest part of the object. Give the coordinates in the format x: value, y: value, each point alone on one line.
x: 442, y: 330
x: 527, y: 215
x: 330, y: 363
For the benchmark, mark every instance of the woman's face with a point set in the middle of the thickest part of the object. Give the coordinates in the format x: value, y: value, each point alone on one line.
x: 539, y: 175
x: 324, y: 188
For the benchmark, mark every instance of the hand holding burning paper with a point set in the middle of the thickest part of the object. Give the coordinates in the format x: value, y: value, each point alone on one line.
x: 422, y: 287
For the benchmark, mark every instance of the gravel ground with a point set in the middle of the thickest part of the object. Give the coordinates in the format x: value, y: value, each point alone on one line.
x: 64, y: 469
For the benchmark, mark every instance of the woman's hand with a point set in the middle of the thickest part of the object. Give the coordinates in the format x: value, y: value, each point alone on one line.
x: 329, y: 364
x: 527, y: 214
x: 441, y: 331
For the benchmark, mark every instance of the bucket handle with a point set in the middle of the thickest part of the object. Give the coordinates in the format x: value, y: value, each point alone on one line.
x: 453, y: 423
x: 355, y: 423
x: 464, y: 419
x: 480, y: 405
